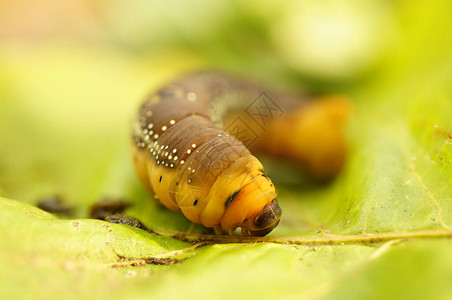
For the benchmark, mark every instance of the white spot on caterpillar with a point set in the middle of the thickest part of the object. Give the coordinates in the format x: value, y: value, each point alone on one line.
x: 175, y: 157
x: 171, y: 165
x: 166, y: 147
x: 188, y: 151
x: 150, y: 126
x: 148, y: 113
x: 166, y: 165
x: 191, y: 97
x: 189, y: 180
x: 166, y: 153
x: 156, y: 136
x: 189, y: 168
x: 193, y: 145
x: 193, y: 171
x: 164, y: 128
x: 151, y: 132
x: 145, y: 131
x: 174, y: 150
x: 162, y: 147
x: 158, y: 162
x: 220, y: 134
x: 172, y: 122
x: 170, y: 156
x: 182, y: 162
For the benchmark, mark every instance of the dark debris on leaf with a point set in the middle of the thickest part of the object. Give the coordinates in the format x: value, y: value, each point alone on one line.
x: 125, y: 220
x: 54, y: 204
x: 107, y: 207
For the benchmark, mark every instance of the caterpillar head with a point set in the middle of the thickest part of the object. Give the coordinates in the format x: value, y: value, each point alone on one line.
x: 254, y: 208
x: 264, y: 221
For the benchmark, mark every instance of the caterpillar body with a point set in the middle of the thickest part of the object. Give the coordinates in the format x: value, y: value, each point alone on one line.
x: 189, y: 151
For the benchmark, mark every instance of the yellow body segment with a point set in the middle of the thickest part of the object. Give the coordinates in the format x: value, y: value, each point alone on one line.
x: 161, y: 179
x: 140, y: 161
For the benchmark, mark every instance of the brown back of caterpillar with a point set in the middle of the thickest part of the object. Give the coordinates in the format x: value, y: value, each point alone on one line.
x: 188, y: 147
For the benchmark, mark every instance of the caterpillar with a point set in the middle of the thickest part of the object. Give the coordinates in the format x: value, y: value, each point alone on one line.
x: 191, y: 144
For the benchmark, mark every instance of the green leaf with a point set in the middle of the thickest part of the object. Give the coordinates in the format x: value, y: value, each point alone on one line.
x: 381, y: 229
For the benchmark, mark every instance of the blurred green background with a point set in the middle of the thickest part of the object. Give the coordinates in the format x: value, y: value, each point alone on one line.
x: 72, y: 74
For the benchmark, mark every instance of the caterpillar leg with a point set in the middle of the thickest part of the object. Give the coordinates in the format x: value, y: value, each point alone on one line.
x: 218, y: 230
x: 245, y: 231
x: 190, y: 228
